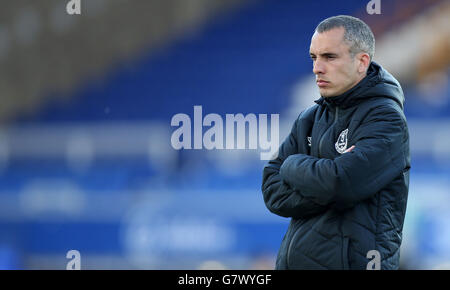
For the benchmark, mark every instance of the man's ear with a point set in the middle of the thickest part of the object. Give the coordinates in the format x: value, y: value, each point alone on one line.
x: 364, y: 62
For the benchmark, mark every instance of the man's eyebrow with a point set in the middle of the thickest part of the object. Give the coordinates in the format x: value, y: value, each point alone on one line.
x: 325, y: 54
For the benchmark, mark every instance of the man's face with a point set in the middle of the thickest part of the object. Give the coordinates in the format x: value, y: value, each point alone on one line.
x: 335, y: 69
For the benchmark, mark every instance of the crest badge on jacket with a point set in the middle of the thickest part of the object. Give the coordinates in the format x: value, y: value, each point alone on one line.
x: 341, y: 143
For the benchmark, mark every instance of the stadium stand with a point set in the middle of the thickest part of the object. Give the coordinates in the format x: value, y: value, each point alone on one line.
x: 89, y: 169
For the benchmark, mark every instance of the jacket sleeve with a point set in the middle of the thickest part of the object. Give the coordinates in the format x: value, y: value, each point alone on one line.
x: 279, y: 197
x: 379, y: 157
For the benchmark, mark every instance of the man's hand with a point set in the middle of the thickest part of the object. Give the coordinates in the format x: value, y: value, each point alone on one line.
x: 349, y: 149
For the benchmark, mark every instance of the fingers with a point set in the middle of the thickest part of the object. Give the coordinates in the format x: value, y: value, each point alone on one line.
x: 349, y: 149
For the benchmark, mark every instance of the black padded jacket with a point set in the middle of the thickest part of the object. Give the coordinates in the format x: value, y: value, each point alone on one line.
x: 344, y: 205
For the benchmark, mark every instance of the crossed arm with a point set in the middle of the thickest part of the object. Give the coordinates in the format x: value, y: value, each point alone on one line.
x: 297, y: 184
x: 279, y: 196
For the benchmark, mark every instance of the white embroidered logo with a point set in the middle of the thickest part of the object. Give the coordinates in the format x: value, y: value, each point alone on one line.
x: 341, y: 143
x: 309, y: 141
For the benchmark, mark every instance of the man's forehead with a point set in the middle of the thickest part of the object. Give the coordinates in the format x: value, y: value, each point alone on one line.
x: 327, y: 41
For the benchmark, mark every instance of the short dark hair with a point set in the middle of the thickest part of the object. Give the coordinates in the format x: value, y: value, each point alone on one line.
x: 358, y: 34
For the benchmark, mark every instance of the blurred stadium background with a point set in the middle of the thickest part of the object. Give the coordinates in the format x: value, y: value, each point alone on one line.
x: 86, y: 103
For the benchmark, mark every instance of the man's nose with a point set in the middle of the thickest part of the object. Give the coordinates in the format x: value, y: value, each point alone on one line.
x: 318, y: 67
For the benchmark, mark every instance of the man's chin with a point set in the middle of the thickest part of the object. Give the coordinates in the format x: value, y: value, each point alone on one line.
x: 326, y: 93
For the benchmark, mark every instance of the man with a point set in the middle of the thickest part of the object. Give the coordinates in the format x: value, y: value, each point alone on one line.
x: 342, y: 175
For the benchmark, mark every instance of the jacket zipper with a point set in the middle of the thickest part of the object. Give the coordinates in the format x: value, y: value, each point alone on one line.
x: 336, y: 117
x: 294, y: 235
x: 345, y: 245
x: 291, y: 242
